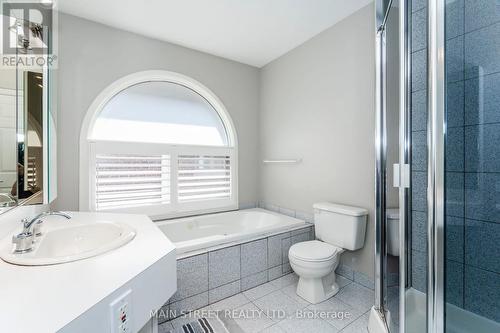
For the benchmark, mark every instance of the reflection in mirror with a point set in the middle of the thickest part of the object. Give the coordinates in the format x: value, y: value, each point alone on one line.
x: 30, y: 139
x: 24, y: 126
x: 8, y: 158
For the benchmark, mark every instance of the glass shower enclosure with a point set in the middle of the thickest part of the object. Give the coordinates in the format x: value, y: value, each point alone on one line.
x: 438, y: 161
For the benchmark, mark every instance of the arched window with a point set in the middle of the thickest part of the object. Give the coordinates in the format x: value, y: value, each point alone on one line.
x: 161, y: 144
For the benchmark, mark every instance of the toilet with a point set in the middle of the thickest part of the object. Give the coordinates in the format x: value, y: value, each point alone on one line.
x: 392, y: 216
x: 338, y: 228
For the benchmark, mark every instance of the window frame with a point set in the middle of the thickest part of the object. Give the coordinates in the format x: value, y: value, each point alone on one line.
x: 90, y: 148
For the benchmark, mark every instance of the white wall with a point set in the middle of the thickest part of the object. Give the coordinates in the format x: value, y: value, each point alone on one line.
x: 92, y: 56
x: 317, y: 103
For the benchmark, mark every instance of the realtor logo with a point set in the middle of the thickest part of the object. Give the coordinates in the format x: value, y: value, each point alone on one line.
x: 28, y: 33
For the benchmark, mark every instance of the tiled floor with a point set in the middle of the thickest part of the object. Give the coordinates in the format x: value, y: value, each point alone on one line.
x: 295, y: 315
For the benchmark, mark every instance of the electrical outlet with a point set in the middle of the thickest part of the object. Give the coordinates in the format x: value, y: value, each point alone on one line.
x: 121, y: 314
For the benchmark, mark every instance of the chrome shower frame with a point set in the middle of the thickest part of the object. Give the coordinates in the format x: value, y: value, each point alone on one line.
x: 435, y: 171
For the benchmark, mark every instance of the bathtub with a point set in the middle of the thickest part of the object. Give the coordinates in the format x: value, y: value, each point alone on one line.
x: 206, y: 232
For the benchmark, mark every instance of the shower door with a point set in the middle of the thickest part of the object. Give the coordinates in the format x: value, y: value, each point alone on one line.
x: 387, y: 138
x: 449, y: 166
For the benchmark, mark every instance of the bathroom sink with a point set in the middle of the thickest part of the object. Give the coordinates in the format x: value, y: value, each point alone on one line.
x: 71, y: 243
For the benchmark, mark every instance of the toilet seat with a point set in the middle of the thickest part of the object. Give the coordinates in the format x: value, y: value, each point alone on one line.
x: 314, y: 251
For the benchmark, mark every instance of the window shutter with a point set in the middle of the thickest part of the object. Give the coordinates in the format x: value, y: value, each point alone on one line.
x: 124, y: 181
x: 203, y: 177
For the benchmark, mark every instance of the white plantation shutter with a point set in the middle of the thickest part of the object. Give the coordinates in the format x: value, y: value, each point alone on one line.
x: 162, y: 180
x: 203, y: 177
x: 131, y: 180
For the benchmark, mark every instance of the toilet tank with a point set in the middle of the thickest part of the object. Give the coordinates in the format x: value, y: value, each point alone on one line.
x: 340, y: 225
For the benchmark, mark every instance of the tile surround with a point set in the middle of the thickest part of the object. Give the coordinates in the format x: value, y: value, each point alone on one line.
x: 210, y: 277
x: 481, y: 13
x: 255, y: 254
x: 224, y: 266
x: 419, y: 110
x: 482, y: 100
x: 480, y: 154
x: 254, y: 280
x: 419, y: 24
x: 472, y: 161
x: 192, y: 277
x: 482, y: 196
x: 455, y: 59
x: 454, y: 18
x: 481, y: 51
x: 419, y: 70
x: 230, y: 289
x: 455, y: 104
x: 482, y: 292
x: 482, y: 245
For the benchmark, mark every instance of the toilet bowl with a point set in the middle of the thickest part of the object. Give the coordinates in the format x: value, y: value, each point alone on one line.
x: 315, y: 262
x: 338, y: 228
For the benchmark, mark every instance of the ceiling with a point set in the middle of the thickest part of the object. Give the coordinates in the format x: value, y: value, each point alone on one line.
x: 253, y: 32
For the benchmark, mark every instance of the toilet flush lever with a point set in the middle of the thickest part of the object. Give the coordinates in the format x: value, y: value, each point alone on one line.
x: 401, y: 175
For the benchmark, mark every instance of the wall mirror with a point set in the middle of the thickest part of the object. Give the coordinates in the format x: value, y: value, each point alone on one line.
x: 27, y: 127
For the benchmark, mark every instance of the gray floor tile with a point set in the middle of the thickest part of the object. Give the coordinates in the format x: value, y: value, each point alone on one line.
x: 260, y: 291
x: 278, y: 301
x: 165, y: 327
x: 291, y: 291
x: 360, y: 325
x: 342, y: 314
x: 357, y: 296
x: 306, y: 325
x: 273, y: 329
x: 251, y: 319
x: 342, y: 281
x: 230, y: 303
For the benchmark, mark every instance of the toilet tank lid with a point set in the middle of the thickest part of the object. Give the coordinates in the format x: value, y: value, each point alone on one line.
x: 340, y: 209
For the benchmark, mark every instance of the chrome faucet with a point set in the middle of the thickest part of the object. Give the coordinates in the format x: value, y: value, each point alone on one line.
x: 31, y: 228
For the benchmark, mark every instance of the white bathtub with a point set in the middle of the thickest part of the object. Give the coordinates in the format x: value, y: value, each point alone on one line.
x: 209, y: 231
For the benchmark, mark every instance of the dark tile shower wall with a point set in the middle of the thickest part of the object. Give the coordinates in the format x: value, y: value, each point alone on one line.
x: 472, y: 151
x: 419, y: 145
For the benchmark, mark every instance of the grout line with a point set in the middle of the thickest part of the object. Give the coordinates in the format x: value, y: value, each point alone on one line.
x: 464, y: 186
x: 353, y: 321
x: 480, y: 28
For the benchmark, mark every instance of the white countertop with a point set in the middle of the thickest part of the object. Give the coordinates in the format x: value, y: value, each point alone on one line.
x: 46, y: 298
